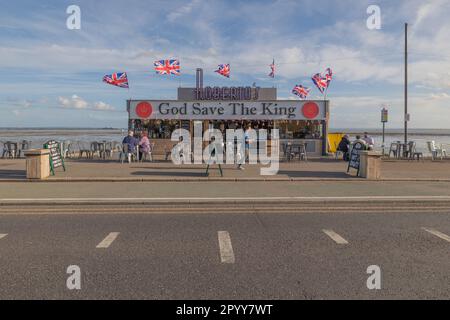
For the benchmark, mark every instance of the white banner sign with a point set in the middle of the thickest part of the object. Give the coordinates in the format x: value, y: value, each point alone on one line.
x: 228, y: 110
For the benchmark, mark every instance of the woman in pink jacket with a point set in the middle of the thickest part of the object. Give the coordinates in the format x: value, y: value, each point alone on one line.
x: 144, y: 145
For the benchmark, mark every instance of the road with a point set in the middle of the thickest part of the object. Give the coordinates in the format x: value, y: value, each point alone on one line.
x: 216, y: 255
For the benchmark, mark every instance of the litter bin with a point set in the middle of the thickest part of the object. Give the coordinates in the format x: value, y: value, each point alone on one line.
x: 370, y: 166
x: 38, y: 164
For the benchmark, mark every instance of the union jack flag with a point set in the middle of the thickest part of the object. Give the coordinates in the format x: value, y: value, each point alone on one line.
x: 118, y: 79
x: 272, y: 69
x: 322, y: 82
x: 167, y: 67
x: 301, y: 91
x: 224, y: 69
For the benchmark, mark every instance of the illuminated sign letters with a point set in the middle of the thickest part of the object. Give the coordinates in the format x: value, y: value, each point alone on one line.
x: 227, y: 93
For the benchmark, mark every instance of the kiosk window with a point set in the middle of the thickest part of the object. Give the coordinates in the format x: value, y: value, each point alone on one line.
x: 299, y: 129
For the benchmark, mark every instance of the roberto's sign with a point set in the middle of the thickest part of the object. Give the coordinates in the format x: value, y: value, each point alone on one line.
x: 227, y: 93
x: 227, y: 110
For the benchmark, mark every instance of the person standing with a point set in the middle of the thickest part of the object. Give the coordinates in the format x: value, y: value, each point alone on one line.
x: 242, y: 155
x: 144, y: 145
x: 248, y: 141
x: 131, y: 143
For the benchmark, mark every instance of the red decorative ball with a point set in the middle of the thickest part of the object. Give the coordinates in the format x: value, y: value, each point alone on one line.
x: 310, y: 110
x: 144, y: 109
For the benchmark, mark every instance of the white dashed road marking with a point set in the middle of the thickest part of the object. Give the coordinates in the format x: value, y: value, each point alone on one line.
x: 2, y: 235
x: 108, y: 240
x: 226, y: 250
x: 333, y: 235
x: 437, y: 234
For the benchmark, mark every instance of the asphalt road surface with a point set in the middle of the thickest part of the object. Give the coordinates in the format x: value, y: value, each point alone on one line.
x: 225, y: 256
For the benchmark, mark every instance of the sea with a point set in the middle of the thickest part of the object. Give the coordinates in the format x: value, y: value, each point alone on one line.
x: 38, y: 136
x: 420, y: 136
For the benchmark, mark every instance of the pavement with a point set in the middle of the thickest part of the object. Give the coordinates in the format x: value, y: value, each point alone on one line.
x: 275, y: 191
x: 233, y: 256
x: 315, y: 169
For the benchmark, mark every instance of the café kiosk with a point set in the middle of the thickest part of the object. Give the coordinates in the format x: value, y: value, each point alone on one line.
x: 298, y: 121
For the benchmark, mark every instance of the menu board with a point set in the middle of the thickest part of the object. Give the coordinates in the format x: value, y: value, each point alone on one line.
x: 56, y: 159
x: 355, y: 158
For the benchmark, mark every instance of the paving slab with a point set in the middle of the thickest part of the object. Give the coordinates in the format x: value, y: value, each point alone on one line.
x: 314, y: 169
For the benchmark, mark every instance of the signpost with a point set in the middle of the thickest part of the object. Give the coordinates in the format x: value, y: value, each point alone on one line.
x: 384, y: 119
x: 56, y: 159
x: 355, y: 158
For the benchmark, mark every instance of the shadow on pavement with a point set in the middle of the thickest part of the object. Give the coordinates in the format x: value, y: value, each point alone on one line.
x: 182, y: 167
x: 170, y: 173
x: 315, y: 174
x: 96, y: 160
x: 8, y: 174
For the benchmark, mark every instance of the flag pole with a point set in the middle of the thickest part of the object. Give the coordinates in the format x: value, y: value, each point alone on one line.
x: 129, y: 92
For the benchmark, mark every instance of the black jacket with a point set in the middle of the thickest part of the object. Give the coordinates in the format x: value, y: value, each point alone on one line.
x: 343, y: 145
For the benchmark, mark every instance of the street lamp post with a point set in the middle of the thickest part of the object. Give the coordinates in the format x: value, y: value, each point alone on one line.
x: 406, y: 119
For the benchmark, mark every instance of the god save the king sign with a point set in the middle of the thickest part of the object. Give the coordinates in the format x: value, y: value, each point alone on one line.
x: 227, y: 110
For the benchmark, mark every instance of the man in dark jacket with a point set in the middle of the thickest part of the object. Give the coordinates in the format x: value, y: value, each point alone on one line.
x: 131, y: 142
x: 344, y: 147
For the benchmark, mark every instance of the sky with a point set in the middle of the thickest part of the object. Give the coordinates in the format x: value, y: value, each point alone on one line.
x: 52, y: 76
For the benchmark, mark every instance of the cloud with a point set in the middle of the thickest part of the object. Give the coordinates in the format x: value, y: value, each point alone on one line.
x: 354, y: 52
x: 182, y: 11
x: 19, y: 102
x: 40, y: 56
x: 429, y: 10
x: 440, y: 96
x: 361, y: 111
x: 76, y: 102
x: 102, y: 106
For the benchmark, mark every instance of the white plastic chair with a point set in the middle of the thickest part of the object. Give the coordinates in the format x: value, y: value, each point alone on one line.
x: 128, y: 154
x: 338, y: 154
x: 65, y: 147
x: 436, y: 150
x: 85, y: 148
x: 394, y: 149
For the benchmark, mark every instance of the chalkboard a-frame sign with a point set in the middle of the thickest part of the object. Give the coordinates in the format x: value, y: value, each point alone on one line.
x: 355, y: 159
x: 56, y: 159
